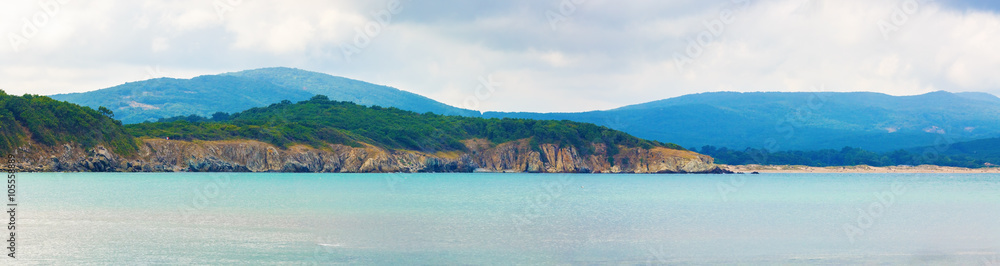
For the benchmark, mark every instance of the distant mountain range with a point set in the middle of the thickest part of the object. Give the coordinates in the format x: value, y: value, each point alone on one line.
x: 801, y: 120
x: 772, y: 120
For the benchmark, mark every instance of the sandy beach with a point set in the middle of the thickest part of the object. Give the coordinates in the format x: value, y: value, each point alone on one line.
x: 855, y: 169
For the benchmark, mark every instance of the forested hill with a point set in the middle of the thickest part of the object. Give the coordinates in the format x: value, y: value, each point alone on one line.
x: 320, y: 121
x: 40, y: 120
x: 149, y: 100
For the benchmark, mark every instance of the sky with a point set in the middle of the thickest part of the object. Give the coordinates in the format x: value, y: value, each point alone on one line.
x: 537, y: 55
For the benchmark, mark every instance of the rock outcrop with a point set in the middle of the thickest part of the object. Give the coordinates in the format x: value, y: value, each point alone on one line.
x: 158, y: 155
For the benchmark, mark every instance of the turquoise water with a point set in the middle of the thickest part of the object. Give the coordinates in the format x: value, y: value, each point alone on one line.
x: 320, y: 219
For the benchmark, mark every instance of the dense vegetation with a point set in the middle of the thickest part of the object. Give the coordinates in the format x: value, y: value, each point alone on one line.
x: 49, y: 122
x: 319, y: 121
x: 800, y: 120
x: 847, y: 156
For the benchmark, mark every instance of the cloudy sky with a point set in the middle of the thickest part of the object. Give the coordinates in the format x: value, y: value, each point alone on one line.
x: 544, y: 55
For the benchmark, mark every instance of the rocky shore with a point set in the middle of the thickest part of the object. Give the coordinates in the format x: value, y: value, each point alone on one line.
x: 158, y: 155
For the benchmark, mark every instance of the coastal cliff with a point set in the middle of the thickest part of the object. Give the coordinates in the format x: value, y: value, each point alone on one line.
x: 159, y: 155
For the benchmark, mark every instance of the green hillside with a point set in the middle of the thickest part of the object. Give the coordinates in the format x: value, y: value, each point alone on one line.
x: 982, y: 149
x: 848, y: 156
x: 320, y: 121
x: 42, y: 120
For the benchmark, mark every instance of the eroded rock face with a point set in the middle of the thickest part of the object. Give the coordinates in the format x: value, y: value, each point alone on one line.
x: 157, y: 155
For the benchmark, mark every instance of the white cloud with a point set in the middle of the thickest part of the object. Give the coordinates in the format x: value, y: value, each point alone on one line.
x: 604, y: 55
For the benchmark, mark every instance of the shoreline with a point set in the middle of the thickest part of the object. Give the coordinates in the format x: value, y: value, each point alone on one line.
x: 922, y: 169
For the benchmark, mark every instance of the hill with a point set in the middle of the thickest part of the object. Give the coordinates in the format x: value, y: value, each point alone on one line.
x: 800, y: 120
x: 149, y: 100
x: 33, y: 121
x: 319, y: 122
x: 349, y: 90
x: 140, y: 101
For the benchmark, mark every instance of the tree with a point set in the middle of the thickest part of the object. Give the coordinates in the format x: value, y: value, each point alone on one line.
x: 106, y: 112
x: 220, y: 116
x: 319, y: 97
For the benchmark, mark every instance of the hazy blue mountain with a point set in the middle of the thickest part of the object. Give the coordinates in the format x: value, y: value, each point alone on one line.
x: 140, y: 101
x: 345, y: 89
x: 149, y: 100
x: 801, y: 120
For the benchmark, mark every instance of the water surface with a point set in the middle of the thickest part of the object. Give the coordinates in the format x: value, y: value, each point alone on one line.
x: 483, y: 218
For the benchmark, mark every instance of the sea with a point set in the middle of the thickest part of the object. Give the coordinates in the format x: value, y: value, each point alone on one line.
x: 505, y: 219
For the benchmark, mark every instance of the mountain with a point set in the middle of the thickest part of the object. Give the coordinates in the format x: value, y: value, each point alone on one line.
x: 800, y: 120
x: 349, y: 90
x: 149, y: 100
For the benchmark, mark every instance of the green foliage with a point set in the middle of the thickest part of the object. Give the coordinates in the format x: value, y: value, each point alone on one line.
x: 106, y: 112
x: 846, y: 156
x: 318, y: 121
x: 50, y: 122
